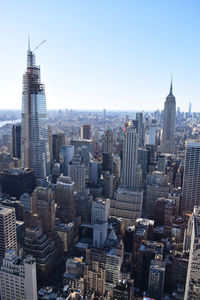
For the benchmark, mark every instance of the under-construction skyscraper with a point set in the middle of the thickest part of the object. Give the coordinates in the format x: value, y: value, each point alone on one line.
x: 34, y: 136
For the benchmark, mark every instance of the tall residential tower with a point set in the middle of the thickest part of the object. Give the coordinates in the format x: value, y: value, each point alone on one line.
x: 34, y: 136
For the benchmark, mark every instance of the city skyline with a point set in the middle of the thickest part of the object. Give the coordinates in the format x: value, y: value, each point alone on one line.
x: 107, y: 55
x: 100, y: 150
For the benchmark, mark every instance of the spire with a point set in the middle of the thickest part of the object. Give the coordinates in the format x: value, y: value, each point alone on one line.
x: 30, y: 56
x: 171, y: 87
x: 28, y: 43
x: 171, y: 90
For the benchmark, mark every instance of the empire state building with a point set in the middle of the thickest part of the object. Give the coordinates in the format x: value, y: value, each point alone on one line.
x: 167, y: 145
x: 34, y: 138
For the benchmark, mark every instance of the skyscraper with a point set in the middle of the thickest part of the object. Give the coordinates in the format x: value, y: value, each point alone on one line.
x: 34, y: 137
x: 18, y: 277
x: 190, y: 109
x: 192, y: 288
x: 43, y: 204
x: 100, y: 210
x: 77, y: 172
x: 8, y: 235
x: 65, y: 156
x: 167, y: 144
x: 191, y: 178
x: 130, y: 158
x: 85, y: 132
x: 156, y: 278
x: 108, y: 141
x: 16, y: 141
x: 65, y: 199
x: 139, y: 118
x: 58, y: 141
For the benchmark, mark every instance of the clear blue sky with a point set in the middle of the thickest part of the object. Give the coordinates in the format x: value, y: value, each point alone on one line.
x: 112, y: 54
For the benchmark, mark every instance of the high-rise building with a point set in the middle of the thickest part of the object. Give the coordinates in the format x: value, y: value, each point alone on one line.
x: 16, y: 141
x: 95, y: 270
x: 50, y: 139
x: 144, y: 159
x: 18, y: 277
x: 108, y: 187
x: 55, y: 172
x: 108, y: 141
x: 16, y: 204
x: 99, y: 233
x: 150, y: 135
x: 107, y: 164
x: 103, y: 265
x: 15, y: 182
x: 25, y: 200
x: 34, y: 136
x: 94, y: 172
x: 68, y: 233
x: 139, y: 118
x: 77, y: 172
x: 47, y: 251
x: 100, y: 210
x: 127, y: 205
x: 43, y: 204
x: 85, y: 132
x: 8, y: 236
x: 65, y: 156
x: 156, y: 278
x: 8, y: 162
x: 58, y: 140
x: 65, y: 199
x: 130, y: 158
x: 167, y: 144
x: 162, y: 162
x: 83, y: 144
x: 192, y: 288
x: 190, y: 109
x: 123, y: 290
x: 157, y: 187
x: 83, y: 203
x: 191, y: 178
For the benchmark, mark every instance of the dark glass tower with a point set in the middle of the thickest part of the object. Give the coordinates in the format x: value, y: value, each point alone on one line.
x: 34, y: 137
x: 16, y: 141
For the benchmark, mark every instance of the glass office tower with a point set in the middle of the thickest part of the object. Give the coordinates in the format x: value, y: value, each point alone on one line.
x: 34, y: 137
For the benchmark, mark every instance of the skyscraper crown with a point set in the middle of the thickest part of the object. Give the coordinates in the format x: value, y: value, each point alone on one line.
x: 30, y: 56
x: 171, y: 96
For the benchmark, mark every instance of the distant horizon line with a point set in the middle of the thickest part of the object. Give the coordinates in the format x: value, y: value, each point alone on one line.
x: 93, y: 110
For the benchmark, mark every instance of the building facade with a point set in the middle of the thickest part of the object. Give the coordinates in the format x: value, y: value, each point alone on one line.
x: 191, y: 178
x: 16, y: 141
x: 192, y: 288
x: 18, y: 277
x: 85, y: 132
x: 8, y: 236
x: 130, y: 158
x: 65, y: 199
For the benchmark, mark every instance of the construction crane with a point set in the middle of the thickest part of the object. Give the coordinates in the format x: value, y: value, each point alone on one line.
x: 39, y: 45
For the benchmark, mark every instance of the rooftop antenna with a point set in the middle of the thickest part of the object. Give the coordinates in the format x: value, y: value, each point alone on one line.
x: 39, y: 45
